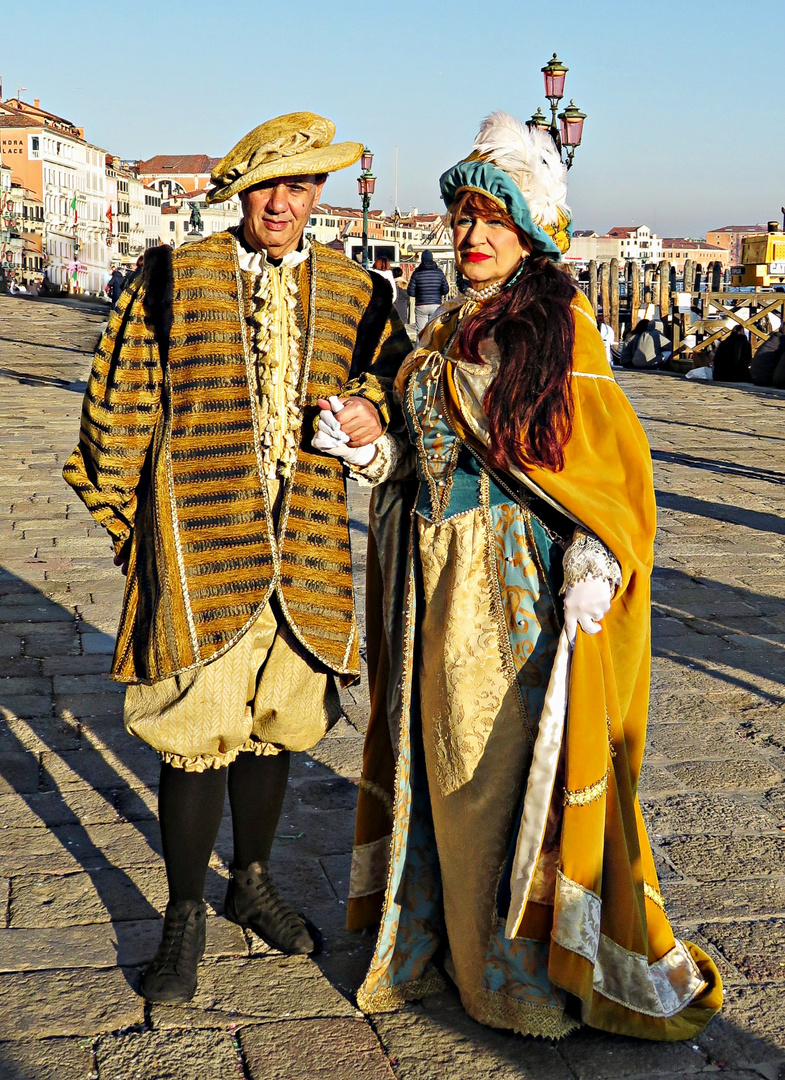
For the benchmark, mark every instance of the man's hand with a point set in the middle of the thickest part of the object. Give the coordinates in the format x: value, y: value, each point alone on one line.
x: 330, y: 439
x: 359, y: 420
x: 121, y: 560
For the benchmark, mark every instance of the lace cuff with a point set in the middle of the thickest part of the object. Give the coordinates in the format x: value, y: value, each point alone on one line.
x: 587, y: 557
x: 389, y: 453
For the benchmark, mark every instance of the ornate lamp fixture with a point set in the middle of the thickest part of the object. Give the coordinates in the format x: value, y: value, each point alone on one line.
x: 568, y: 133
x: 366, y: 182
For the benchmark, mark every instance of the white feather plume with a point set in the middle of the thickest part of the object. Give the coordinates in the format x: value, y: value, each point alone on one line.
x: 531, y: 159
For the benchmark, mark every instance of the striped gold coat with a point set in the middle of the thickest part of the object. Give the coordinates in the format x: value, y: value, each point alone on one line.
x: 169, y: 457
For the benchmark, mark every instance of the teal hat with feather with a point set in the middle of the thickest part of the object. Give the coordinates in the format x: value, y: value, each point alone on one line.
x: 520, y: 169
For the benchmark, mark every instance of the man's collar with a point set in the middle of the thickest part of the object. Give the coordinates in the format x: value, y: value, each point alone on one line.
x: 256, y: 262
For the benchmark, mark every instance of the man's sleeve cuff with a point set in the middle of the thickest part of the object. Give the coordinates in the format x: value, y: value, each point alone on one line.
x: 372, y: 389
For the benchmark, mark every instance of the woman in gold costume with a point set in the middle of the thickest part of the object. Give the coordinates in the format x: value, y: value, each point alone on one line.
x: 499, y: 835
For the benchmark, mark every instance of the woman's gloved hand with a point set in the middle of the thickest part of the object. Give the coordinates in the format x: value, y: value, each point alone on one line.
x: 585, y: 603
x: 330, y: 439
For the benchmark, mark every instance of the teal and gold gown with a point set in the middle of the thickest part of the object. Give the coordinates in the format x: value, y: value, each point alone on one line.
x: 481, y: 829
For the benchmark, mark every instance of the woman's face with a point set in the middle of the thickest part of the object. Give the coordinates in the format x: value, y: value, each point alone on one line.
x: 486, y: 250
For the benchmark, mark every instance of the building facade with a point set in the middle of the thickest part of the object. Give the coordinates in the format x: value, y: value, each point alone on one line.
x: 637, y: 242
x: 730, y: 238
x: 176, y: 174
x: 10, y: 241
x: 625, y: 243
x: 51, y: 158
x: 153, y: 224
x: 136, y: 215
x: 30, y: 221
x: 677, y: 249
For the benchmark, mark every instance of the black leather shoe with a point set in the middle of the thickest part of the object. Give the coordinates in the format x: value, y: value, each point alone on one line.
x: 253, y: 902
x: 171, y: 977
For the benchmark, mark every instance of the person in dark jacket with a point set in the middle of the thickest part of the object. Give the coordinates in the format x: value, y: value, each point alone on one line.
x: 768, y: 363
x: 428, y: 286
x: 115, y: 285
x: 732, y: 358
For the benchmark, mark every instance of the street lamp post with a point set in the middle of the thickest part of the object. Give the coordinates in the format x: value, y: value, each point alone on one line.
x: 568, y: 132
x: 366, y: 182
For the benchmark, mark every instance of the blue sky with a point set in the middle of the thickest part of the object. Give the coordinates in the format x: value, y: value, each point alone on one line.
x: 684, y: 99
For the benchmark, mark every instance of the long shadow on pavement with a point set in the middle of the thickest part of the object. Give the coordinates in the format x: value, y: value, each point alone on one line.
x: 733, y: 633
x: 753, y: 519
x: 84, y: 791
x: 27, y: 378
x: 724, y: 468
x: 79, y: 792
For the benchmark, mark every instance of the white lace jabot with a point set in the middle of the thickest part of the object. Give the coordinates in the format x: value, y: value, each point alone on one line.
x: 256, y: 262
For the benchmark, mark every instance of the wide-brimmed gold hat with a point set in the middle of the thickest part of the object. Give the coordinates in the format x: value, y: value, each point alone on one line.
x: 297, y: 144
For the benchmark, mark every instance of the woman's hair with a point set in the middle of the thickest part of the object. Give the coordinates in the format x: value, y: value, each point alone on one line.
x: 381, y: 263
x: 528, y: 403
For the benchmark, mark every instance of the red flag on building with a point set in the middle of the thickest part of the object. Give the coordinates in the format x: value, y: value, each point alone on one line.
x: 109, y: 215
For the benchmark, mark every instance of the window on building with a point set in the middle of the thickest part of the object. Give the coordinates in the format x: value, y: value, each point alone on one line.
x: 171, y: 226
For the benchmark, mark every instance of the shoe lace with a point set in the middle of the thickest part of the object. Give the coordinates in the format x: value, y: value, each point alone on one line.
x: 275, y: 905
x: 174, y: 944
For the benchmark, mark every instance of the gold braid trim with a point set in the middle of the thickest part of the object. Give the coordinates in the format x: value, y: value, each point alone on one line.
x: 372, y: 390
x: 500, y: 1011
x: 392, y: 998
x: 656, y: 897
x: 497, y: 602
x: 379, y: 793
x: 593, y: 793
x: 611, y: 747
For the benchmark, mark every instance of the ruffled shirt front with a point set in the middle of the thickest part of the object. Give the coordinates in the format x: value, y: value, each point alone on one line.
x: 276, y: 352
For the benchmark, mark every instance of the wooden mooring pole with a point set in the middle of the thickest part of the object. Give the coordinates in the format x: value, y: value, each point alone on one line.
x: 593, y: 297
x: 635, y: 293
x: 614, y: 297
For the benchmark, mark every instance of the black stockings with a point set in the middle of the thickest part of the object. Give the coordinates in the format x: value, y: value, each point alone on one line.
x: 190, y: 807
x: 257, y: 786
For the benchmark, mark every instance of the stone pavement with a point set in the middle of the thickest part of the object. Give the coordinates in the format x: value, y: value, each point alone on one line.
x: 81, y: 880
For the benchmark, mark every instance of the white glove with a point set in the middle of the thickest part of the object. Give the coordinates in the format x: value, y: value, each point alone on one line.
x: 586, y: 603
x: 330, y: 439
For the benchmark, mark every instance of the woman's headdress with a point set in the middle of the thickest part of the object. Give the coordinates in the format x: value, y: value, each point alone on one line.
x: 519, y: 168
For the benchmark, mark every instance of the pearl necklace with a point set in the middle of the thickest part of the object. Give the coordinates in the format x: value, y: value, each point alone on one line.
x: 483, y: 294
x: 478, y: 295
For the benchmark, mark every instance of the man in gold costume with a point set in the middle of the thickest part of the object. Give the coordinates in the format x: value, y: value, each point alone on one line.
x: 195, y: 454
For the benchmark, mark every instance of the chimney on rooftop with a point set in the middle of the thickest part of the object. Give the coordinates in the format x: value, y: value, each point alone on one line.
x: 36, y: 103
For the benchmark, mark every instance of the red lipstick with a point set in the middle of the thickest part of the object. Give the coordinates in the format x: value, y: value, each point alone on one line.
x: 476, y: 256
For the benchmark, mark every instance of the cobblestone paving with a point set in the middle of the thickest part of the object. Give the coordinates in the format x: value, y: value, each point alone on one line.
x: 81, y: 880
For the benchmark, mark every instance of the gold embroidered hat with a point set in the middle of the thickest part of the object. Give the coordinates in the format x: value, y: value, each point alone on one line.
x: 297, y: 144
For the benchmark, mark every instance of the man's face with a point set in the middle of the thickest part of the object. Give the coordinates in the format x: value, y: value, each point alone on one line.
x: 276, y: 212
